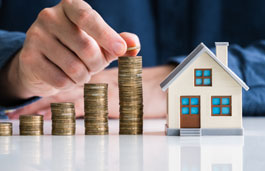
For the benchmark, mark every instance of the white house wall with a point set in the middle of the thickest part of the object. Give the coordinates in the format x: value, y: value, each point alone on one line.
x: 222, y: 85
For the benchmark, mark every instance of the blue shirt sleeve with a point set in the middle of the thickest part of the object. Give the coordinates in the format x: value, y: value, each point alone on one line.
x: 10, y: 43
x: 249, y: 64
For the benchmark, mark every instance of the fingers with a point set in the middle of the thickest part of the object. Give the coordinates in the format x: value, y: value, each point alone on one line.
x: 66, y: 60
x: 131, y: 40
x: 85, y: 48
x: 29, y: 109
x: 87, y: 19
x: 44, y: 70
x: 66, y: 45
x: 75, y: 39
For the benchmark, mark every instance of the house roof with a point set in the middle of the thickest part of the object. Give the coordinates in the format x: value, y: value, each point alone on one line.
x: 189, y: 59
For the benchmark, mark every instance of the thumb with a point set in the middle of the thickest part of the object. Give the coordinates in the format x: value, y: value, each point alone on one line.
x: 132, y: 40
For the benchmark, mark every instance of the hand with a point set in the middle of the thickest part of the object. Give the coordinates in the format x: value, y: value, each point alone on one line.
x: 64, y: 47
x: 154, y: 97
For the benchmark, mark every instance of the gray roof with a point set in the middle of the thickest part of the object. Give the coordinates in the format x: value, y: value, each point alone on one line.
x: 189, y: 59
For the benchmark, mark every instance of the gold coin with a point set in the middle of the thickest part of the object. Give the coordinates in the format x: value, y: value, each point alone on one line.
x: 55, y: 126
x: 97, y: 133
x: 5, y: 124
x: 64, y: 133
x: 133, y: 48
x: 31, y: 117
x: 65, y: 121
x: 63, y: 104
x: 5, y: 134
x: 31, y: 132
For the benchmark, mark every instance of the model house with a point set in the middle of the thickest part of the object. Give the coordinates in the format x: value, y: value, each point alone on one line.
x: 204, y: 95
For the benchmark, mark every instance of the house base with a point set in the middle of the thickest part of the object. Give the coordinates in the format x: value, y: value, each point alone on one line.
x: 208, y: 131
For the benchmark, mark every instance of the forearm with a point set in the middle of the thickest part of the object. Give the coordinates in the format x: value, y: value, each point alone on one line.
x: 11, y: 86
x: 10, y: 43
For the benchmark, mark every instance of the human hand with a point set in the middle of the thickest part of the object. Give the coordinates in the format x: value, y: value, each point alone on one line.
x: 64, y: 47
x: 75, y: 96
x: 154, y: 97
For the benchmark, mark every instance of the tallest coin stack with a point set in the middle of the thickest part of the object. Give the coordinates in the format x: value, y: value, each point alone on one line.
x: 131, y: 95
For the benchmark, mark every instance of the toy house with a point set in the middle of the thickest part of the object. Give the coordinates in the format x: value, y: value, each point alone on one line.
x: 204, y: 95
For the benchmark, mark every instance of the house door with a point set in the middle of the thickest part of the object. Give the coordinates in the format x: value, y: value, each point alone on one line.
x: 190, y: 112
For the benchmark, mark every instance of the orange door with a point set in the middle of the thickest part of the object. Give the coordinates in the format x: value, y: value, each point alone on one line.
x: 190, y: 112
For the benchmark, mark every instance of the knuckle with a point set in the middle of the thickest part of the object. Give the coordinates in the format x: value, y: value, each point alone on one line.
x: 66, y: 2
x: 84, y: 43
x: 27, y: 57
x: 74, y: 68
x: 88, y: 47
x: 24, y: 56
x: 61, y: 81
x: 78, y: 72
x: 97, y: 64
x: 85, y: 16
x: 46, y: 14
x: 34, y: 33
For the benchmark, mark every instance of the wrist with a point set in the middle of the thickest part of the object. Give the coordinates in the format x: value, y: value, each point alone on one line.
x: 14, y: 84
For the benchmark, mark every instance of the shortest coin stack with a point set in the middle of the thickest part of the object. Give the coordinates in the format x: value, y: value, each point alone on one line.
x: 31, y: 124
x: 5, y: 128
x: 63, y: 118
x: 96, y: 109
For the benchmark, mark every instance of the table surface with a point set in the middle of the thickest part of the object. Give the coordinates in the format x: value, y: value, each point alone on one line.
x: 151, y: 151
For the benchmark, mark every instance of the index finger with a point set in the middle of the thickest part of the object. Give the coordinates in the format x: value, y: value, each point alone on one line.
x: 87, y: 19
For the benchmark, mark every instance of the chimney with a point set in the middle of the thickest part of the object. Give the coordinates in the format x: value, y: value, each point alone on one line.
x: 221, y: 52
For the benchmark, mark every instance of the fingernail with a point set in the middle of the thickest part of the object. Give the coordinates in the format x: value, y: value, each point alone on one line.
x: 118, y: 48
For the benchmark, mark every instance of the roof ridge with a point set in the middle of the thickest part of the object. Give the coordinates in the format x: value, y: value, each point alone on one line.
x: 193, y: 55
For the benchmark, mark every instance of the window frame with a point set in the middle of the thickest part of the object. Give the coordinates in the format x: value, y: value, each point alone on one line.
x: 203, y: 77
x: 220, y: 106
x: 190, y: 106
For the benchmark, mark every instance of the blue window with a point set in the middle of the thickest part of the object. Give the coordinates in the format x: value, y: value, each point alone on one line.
x: 221, y: 106
x: 207, y: 81
x: 185, y: 110
x: 226, y: 110
x: 194, y: 101
x: 198, y: 73
x: 216, y: 110
x: 185, y: 101
x: 198, y: 81
x: 207, y: 73
x: 194, y: 110
x: 190, y: 105
x: 225, y: 101
x: 216, y: 101
x: 203, y: 77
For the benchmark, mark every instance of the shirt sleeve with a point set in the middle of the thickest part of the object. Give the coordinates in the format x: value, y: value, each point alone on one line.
x: 248, y: 63
x: 10, y: 43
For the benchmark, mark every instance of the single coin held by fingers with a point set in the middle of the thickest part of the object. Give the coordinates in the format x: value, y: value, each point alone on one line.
x: 133, y: 48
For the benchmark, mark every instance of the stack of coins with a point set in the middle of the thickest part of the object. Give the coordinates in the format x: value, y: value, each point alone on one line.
x: 96, y: 109
x: 131, y: 95
x: 63, y: 118
x: 5, y: 128
x: 31, y: 124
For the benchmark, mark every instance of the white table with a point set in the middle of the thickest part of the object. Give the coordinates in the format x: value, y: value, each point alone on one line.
x: 152, y: 151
